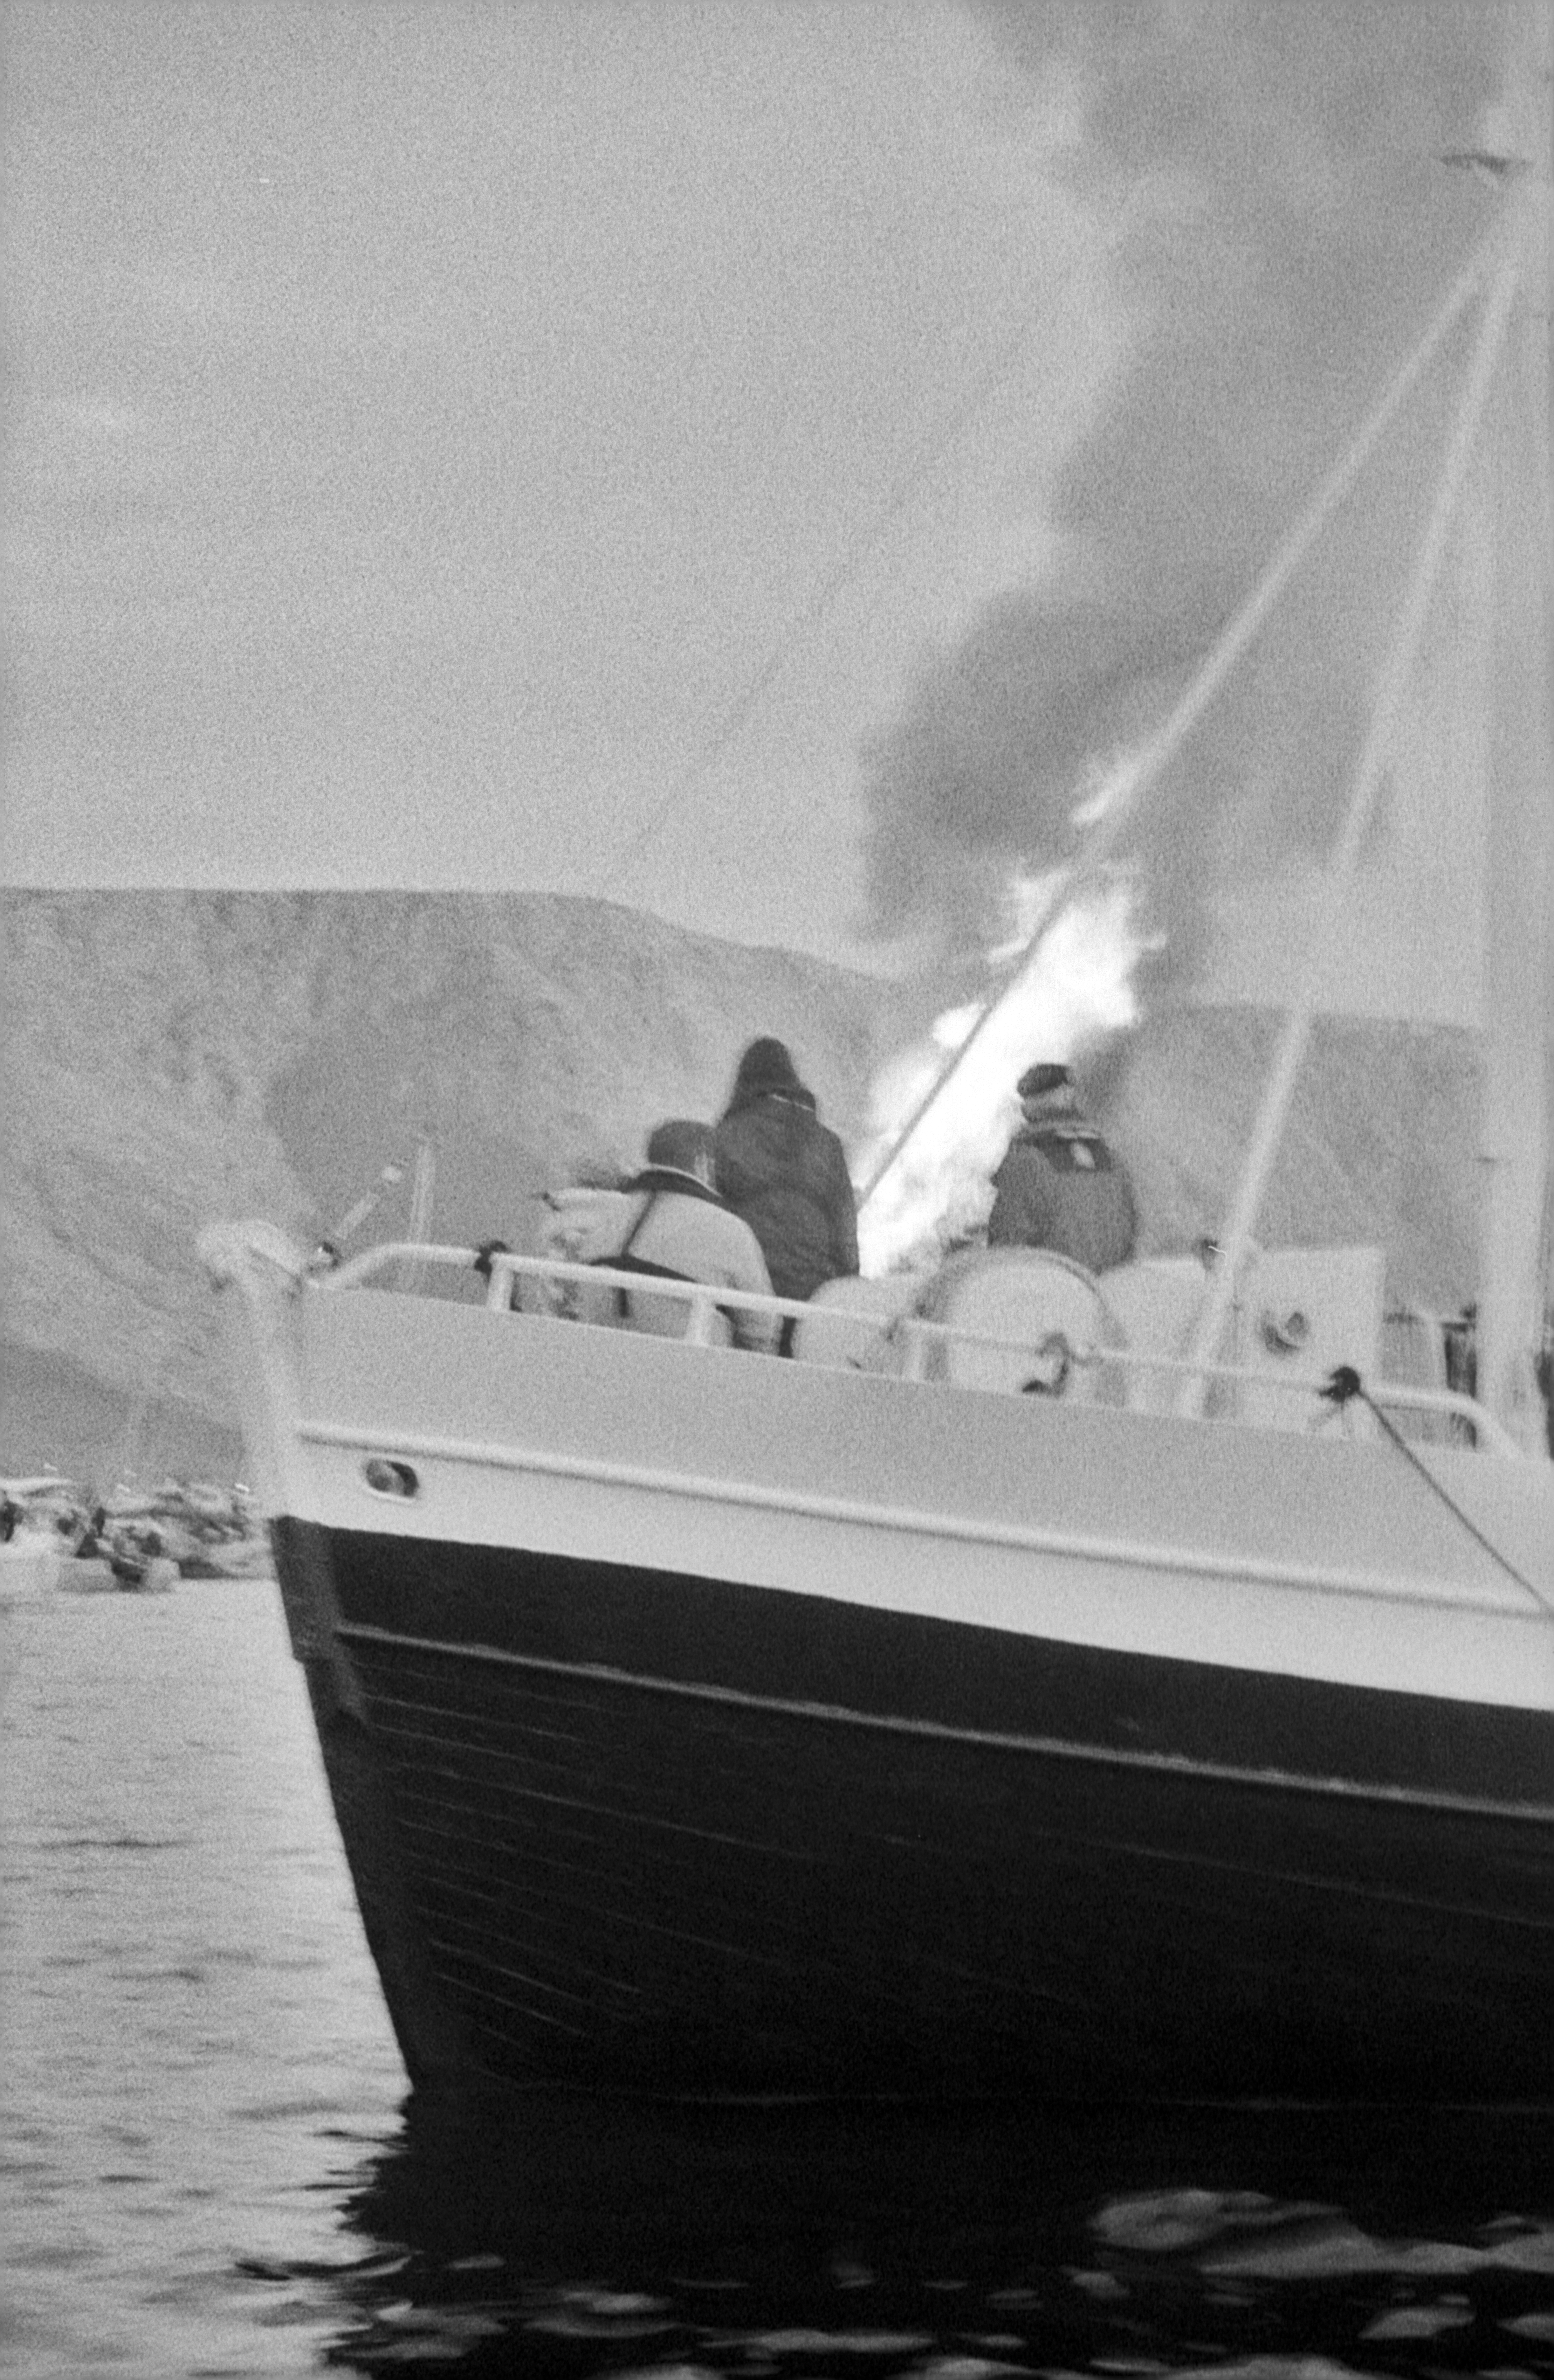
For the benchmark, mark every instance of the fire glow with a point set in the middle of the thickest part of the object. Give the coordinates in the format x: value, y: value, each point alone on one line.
x: 1076, y: 987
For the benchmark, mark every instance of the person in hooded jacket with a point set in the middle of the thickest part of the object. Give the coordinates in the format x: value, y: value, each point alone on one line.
x: 1059, y: 1186
x: 786, y: 1174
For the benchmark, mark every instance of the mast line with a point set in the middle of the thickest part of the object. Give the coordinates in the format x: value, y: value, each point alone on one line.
x: 1141, y: 773
x: 1518, y: 982
x: 1392, y: 683
x: 736, y: 714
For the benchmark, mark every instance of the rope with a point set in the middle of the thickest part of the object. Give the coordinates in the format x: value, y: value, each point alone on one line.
x: 1391, y: 687
x: 1238, y: 633
x: 808, y: 614
x: 1342, y: 1387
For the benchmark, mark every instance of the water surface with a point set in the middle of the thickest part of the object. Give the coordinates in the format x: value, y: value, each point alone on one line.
x: 209, y: 2168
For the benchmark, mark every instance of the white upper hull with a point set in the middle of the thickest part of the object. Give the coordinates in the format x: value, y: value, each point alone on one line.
x: 1308, y: 1556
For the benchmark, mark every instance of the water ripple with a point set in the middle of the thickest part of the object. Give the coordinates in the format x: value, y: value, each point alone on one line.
x: 210, y: 2169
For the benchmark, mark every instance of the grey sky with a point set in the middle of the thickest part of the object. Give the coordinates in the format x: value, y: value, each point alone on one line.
x: 427, y: 420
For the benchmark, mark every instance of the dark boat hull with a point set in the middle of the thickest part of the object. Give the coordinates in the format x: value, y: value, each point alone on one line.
x: 628, y: 1831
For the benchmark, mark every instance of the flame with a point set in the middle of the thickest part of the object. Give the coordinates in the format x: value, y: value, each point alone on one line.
x: 1076, y: 987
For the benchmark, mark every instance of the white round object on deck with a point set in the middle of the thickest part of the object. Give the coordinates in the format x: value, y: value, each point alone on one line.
x: 1025, y: 1322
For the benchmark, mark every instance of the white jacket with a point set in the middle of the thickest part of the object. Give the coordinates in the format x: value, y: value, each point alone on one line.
x: 688, y: 1230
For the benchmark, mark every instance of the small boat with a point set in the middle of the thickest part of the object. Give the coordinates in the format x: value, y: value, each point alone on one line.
x: 1043, y: 1685
x: 115, y: 1554
x: 136, y: 1567
x: 87, y: 1574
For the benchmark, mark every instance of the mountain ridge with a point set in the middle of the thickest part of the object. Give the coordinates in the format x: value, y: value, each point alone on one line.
x: 176, y: 1057
x: 173, y: 1058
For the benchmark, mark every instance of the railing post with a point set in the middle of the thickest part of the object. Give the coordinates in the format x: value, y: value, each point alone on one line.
x: 914, y: 1364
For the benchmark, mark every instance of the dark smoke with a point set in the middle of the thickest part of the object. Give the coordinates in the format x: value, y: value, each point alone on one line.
x: 1297, y: 227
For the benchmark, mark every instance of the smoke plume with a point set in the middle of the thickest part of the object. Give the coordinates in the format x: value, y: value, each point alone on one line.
x: 1286, y: 169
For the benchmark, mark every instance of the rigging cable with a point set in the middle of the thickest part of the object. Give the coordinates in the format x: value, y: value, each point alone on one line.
x: 809, y: 613
x: 1238, y: 633
x: 1344, y: 1384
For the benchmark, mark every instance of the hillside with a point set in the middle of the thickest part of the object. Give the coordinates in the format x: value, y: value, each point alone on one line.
x: 175, y: 1057
x: 171, y: 1057
x: 1380, y: 1147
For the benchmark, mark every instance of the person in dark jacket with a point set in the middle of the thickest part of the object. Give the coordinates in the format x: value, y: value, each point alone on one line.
x: 785, y: 1173
x: 1059, y: 1186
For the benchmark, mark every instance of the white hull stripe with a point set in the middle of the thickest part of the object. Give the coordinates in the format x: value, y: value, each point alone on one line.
x: 1117, y: 1552
x: 1048, y: 1747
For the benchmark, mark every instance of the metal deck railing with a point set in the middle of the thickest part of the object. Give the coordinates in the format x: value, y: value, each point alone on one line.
x: 925, y: 1346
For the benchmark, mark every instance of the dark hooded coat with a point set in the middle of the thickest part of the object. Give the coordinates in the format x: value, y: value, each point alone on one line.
x: 781, y: 1170
x: 1061, y: 1187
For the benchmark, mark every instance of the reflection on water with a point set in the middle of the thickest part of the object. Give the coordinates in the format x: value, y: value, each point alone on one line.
x: 207, y: 2169
x: 193, y: 2055
x: 585, y: 2241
